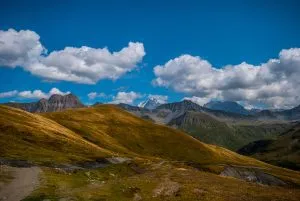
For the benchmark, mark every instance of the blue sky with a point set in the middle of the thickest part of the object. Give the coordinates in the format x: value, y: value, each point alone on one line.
x: 223, y: 33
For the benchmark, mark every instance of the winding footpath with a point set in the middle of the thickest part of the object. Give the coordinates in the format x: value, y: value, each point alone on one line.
x: 24, y: 181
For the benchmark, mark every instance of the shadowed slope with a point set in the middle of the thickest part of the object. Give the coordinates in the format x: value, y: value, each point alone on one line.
x: 284, y: 151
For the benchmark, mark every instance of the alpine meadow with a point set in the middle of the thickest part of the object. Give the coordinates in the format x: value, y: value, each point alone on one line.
x: 150, y: 100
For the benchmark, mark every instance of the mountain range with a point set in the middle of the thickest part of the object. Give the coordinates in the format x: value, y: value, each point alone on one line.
x: 107, y: 152
x: 231, y: 130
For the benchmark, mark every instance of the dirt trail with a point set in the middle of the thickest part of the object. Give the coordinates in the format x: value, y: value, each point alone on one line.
x: 24, y: 182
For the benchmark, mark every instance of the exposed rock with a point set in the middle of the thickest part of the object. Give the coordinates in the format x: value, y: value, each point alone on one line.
x: 252, y: 175
x: 167, y: 188
x: 151, y: 103
x: 118, y: 160
x: 54, y: 103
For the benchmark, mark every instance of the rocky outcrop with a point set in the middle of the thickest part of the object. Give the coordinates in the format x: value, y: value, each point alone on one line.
x: 252, y: 175
x: 55, y: 103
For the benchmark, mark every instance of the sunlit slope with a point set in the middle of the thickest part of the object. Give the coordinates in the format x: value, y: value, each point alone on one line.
x: 82, y: 134
x: 32, y: 137
x: 119, y: 131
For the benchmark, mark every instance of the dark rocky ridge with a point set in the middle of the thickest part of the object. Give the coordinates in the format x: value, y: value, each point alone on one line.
x: 54, y: 103
x: 227, y: 106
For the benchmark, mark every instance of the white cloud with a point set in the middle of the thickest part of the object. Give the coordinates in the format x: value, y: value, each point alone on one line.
x: 8, y: 94
x: 35, y: 94
x: 19, y: 48
x: 94, y: 95
x: 274, y: 83
x: 126, y: 97
x: 81, y: 65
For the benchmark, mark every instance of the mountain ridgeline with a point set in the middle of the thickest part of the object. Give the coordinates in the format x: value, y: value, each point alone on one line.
x: 230, y: 129
x: 227, y: 106
x: 55, y: 103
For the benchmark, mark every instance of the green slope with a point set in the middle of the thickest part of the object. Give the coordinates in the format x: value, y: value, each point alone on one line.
x: 284, y: 151
x: 226, y: 134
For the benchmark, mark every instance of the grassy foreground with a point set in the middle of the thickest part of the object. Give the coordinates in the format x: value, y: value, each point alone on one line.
x: 153, y: 181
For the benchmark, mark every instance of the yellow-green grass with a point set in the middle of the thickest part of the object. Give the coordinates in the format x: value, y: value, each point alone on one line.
x: 121, y: 132
x: 32, y: 137
x: 103, y: 131
x: 121, y: 182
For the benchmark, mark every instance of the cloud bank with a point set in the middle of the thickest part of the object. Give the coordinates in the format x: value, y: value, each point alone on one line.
x: 35, y: 94
x: 81, y: 65
x: 274, y: 83
x: 94, y: 95
x: 126, y: 97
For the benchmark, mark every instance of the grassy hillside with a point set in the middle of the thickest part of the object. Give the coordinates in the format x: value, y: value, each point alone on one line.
x: 121, y: 132
x: 32, y: 137
x: 167, y: 164
x: 229, y: 135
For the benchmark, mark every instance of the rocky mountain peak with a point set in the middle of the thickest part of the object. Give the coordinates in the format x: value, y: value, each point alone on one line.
x: 55, y: 103
x: 151, y: 103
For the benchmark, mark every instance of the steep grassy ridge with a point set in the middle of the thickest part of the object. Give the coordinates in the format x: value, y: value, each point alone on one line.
x: 115, y: 129
x: 32, y: 137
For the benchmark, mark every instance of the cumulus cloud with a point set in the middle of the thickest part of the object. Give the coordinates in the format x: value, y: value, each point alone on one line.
x: 274, y: 83
x: 19, y: 48
x: 81, y: 65
x: 35, y: 94
x: 94, y: 95
x: 8, y: 94
x: 126, y: 97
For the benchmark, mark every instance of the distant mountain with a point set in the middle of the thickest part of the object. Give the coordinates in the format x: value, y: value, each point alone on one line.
x: 284, y: 151
x: 150, y: 103
x: 211, y: 126
x: 290, y: 114
x: 227, y: 106
x: 54, y: 103
x: 185, y: 105
x: 232, y: 135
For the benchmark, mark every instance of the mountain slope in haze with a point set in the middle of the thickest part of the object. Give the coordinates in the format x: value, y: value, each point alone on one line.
x: 290, y: 114
x: 229, y: 135
x: 229, y: 130
x: 284, y: 151
x: 55, y: 103
x: 227, y: 106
